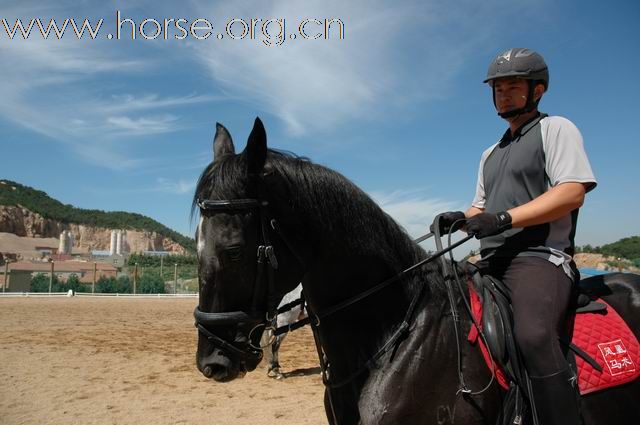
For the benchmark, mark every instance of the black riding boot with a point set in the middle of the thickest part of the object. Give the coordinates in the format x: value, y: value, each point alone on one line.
x: 556, y: 399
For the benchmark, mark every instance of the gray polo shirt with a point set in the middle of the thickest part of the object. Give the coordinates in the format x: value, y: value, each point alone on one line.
x: 545, y: 152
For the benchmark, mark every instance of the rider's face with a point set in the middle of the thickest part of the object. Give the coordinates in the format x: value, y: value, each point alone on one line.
x: 510, y: 93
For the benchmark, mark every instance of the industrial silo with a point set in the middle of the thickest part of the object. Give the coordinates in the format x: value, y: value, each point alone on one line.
x: 112, y: 246
x: 119, y: 242
x: 62, y: 245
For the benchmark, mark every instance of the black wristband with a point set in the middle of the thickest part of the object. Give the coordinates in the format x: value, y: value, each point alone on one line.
x: 504, y: 220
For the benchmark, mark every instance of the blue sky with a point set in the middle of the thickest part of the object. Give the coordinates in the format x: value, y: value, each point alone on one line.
x: 398, y: 105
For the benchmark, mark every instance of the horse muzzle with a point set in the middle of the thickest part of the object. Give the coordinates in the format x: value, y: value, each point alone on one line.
x: 220, y: 368
x: 227, y: 360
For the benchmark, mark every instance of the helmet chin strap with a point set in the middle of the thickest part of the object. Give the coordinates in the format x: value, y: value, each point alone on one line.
x: 529, y: 106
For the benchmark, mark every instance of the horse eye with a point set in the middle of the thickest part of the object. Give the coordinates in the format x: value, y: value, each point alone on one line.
x: 234, y: 253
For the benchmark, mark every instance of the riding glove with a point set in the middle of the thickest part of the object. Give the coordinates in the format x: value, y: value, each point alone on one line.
x: 487, y: 224
x: 447, y: 220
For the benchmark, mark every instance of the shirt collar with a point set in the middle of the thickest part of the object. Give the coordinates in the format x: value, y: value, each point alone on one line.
x: 524, y: 128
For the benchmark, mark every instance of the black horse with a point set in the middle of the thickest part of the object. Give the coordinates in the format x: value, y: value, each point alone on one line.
x: 270, y: 220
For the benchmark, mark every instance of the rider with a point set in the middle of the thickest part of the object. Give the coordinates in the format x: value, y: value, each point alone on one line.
x: 531, y: 184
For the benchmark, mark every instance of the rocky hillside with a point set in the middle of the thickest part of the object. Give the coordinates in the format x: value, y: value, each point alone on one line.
x: 585, y: 260
x: 604, y: 262
x: 27, y: 212
x: 22, y: 222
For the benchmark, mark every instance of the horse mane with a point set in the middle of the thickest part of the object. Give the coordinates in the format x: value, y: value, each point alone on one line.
x: 332, y: 204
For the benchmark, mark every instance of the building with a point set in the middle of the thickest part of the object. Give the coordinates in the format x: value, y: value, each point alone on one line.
x: 36, y: 248
x: 19, y: 281
x: 118, y: 245
x: 117, y: 260
x: 158, y: 253
x: 64, y: 269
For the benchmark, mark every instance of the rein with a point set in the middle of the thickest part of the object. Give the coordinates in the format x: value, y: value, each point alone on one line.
x: 350, y: 301
x: 315, y: 319
x: 266, y: 256
x: 266, y: 259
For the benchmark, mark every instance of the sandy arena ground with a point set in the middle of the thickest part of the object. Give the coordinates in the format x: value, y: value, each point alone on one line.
x: 132, y: 361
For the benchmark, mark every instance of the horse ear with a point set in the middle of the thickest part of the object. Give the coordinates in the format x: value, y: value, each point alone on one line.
x: 222, y: 143
x: 256, y: 150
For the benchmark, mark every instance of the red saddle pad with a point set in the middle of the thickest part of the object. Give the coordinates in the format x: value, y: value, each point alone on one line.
x: 605, y: 337
x: 610, y: 342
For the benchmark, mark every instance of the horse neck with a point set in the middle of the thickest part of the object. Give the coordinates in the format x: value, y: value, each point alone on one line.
x: 351, y: 337
x: 349, y: 245
x: 342, y: 266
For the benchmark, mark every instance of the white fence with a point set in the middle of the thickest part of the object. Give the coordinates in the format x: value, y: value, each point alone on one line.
x: 86, y: 294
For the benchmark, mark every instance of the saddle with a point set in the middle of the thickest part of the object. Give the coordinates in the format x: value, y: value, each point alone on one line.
x: 604, y: 351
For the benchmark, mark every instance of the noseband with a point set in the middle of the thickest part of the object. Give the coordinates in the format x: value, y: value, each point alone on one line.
x: 267, y: 263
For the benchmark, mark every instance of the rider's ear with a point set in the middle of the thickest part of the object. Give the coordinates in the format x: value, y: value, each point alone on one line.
x: 538, y: 91
x: 256, y: 150
x: 222, y: 143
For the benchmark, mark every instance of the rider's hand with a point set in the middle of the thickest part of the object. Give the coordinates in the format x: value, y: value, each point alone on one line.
x: 487, y: 224
x: 446, y: 221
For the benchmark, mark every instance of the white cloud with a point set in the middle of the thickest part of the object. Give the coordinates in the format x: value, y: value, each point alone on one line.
x: 66, y: 57
x: 161, y: 185
x: 129, y: 102
x: 49, y: 89
x: 64, y: 90
x: 44, y: 91
x: 306, y: 83
x: 144, y: 125
x: 106, y: 156
x: 392, y: 58
x: 176, y: 187
x: 415, y: 211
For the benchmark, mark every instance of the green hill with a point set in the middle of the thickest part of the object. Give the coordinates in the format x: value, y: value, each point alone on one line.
x: 12, y: 194
x: 627, y: 249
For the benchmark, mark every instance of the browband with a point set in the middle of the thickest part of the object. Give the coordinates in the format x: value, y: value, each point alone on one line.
x: 228, y: 204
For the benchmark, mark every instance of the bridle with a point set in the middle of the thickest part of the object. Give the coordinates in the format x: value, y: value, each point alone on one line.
x: 264, y: 286
x: 267, y: 263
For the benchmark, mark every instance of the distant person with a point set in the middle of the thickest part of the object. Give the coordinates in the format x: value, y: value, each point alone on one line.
x: 531, y: 184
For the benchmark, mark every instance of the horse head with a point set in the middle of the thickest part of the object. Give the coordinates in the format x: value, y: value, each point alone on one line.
x: 244, y: 265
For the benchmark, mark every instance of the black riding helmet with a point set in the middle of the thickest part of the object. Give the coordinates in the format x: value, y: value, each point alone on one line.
x: 522, y: 63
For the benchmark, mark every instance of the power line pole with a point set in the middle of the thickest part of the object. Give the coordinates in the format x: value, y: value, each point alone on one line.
x: 135, y: 278
x: 51, y: 278
x: 95, y: 271
x: 6, y: 275
x: 175, y: 278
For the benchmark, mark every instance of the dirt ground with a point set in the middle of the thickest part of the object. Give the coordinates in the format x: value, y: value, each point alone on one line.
x: 132, y: 361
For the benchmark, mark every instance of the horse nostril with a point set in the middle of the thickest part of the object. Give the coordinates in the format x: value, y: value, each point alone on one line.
x: 217, y: 366
x: 220, y: 373
x: 207, y: 371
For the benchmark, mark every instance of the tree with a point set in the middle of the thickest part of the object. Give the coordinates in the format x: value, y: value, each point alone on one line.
x: 151, y: 284
x: 625, y: 248
x: 111, y: 285
x: 40, y: 283
x: 73, y: 283
x: 144, y: 260
x: 123, y: 285
x: 12, y: 193
x: 106, y: 285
